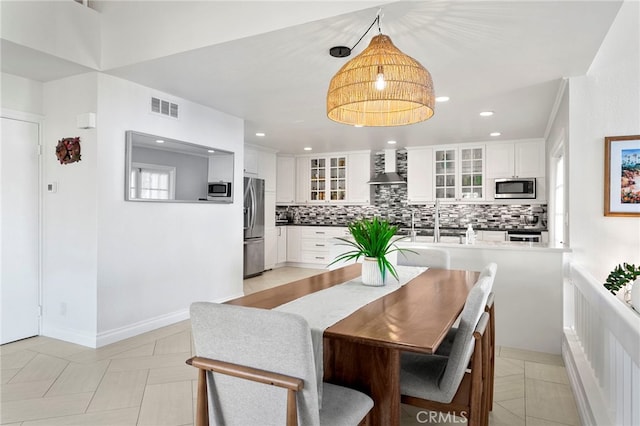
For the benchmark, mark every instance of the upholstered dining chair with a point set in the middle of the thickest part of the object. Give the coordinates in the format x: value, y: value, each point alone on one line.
x: 430, y: 257
x: 440, y: 383
x: 445, y: 347
x: 256, y: 367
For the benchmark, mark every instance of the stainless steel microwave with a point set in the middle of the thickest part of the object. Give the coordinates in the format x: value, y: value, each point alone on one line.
x: 219, y: 191
x: 515, y: 188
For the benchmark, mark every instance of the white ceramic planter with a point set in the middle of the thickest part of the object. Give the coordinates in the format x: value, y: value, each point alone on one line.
x: 371, y: 274
x: 635, y: 295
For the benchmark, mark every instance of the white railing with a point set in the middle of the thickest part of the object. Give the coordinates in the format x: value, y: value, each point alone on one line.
x: 601, y: 351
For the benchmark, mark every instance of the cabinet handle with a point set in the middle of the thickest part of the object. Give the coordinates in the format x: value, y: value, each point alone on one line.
x: 319, y: 232
x: 320, y: 257
x: 319, y: 245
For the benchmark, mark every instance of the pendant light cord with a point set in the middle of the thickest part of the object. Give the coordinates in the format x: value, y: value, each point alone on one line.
x: 377, y: 19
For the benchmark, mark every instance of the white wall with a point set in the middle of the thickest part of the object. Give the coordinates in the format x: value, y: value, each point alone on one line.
x: 21, y: 94
x: 111, y: 268
x: 605, y: 102
x: 64, y: 29
x: 70, y: 247
x: 154, y: 259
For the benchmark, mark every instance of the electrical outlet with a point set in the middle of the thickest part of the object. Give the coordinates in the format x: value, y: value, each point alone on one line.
x: 52, y: 187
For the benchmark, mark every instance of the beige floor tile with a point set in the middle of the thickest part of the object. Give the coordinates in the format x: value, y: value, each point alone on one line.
x: 508, y: 387
x: 41, y: 367
x: 149, y: 362
x: 550, y: 373
x: 534, y: 421
x: 120, y: 389
x: 123, y: 417
x: 525, y: 355
x: 40, y: 408
x: 24, y: 390
x: 58, y: 348
x: 515, y: 406
x: 503, y: 417
x: 551, y: 401
x: 7, y: 374
x: 277, y: 277
x: 23, y: 344
x: 177, y: 343
x: 508, y: 367
x: 16, y: 359
x: 167, y: 404
x: 144, y: 350
x: 172, y: 374
x: 77, y: 378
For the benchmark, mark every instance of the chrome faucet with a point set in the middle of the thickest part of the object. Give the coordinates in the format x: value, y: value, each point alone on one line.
x: 413, y: 228
x: 436, y: 222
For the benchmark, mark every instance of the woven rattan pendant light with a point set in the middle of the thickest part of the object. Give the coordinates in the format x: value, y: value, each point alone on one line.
x: 405, y: 97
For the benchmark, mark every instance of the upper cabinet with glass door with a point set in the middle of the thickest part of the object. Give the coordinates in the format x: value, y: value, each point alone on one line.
x: 458, y: 172
x: 328, y: 179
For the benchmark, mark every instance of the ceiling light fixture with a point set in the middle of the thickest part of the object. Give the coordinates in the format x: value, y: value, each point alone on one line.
x: 442, y: 99
x: 380, y: 87
x: 486, y: 113
x: 307, y: 148
x: 391, y: 142
x: 159, y: 141
x: 260, y: 134
x: 495, y: 134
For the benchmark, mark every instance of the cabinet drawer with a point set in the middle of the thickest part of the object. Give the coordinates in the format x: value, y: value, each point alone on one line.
x: 316, y: 257
x: 315, y: 244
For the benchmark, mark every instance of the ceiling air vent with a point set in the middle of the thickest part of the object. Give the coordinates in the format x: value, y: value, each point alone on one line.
x: 160, y: 106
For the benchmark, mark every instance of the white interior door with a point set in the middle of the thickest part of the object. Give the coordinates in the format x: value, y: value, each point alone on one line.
x: 19, y: 230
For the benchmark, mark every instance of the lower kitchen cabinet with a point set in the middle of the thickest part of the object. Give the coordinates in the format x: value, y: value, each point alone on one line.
x: 311, y: 244
x: 270, y: 246
x: 281, y: 244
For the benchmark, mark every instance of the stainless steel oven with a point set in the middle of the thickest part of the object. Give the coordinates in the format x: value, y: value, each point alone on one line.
x: 525, y: 236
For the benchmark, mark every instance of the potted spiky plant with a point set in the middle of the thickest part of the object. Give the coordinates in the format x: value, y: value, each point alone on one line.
x: 371, y: 240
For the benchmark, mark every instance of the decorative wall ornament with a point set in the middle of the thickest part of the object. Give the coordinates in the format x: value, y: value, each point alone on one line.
x: 68, y: 150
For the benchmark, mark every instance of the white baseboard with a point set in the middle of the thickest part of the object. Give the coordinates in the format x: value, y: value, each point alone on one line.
x: 140, y: 327
x: 69, y: 335
x: 590, y: 402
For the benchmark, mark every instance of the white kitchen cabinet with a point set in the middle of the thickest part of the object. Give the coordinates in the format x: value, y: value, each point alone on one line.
x: 302, y: 179
x: 267, y: 170
x: 419, y: 175
x: 270, y: 248
x: 250, y: 162
x: 524, y: 159
x: 285, y: 180
x: 281, y: 237
x: 294, y: 239
x: 329, y: 178
x: 458, y: 172
x: 358, y: 175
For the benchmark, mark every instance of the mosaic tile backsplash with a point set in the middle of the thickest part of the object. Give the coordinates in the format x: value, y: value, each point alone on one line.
x: 390, y: 203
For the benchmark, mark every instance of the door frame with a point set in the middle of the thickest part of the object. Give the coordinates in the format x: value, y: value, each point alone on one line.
x: 39, y: 121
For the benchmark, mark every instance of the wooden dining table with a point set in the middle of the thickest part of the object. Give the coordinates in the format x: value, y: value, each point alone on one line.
x: 362, y: 351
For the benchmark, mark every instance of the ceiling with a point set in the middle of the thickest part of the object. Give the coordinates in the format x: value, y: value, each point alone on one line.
x: 505, y: 56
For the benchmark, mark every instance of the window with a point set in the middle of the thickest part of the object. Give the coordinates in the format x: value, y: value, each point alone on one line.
x: 152, y: 182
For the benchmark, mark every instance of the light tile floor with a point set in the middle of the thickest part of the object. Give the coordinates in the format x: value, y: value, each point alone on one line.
x: 144, y: 381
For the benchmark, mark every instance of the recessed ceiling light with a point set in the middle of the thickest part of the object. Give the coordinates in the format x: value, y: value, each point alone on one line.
x: 211, y: 151
x: 495, y: 134
x: 486, y: 113
x: 442, y: 99
x: 307, y: 148
x: 358, y: 125
x: 260, y: 134
x: 159, y: 141
x: 391, y: 142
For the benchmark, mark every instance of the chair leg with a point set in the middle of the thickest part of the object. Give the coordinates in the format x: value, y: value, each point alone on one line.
x: 292, y: 408
x: 202, y: 408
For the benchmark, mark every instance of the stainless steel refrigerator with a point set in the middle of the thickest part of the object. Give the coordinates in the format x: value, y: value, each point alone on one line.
x: 253, y: 226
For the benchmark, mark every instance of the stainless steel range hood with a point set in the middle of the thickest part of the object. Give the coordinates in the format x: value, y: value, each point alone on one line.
x: 390, y: 176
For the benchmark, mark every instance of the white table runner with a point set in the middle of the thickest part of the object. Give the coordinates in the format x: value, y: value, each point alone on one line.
x: 326, y: 307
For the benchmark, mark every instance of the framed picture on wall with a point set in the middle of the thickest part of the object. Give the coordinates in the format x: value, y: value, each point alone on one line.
x: 622, y: 176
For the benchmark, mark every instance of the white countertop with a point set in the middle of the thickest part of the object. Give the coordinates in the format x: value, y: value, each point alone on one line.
x: 490, y: 245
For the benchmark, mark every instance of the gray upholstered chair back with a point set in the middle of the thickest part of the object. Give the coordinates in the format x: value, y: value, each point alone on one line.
x: 429, y: 257
x: 265, y: 339
x: 489, y: 271
x: 463, y: 343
